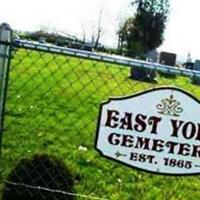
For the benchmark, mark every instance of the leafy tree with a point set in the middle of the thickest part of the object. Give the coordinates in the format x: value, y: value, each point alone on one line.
x: 144, y: 31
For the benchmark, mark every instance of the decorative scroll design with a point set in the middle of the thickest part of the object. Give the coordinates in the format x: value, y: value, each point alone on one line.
x: 169, y: 106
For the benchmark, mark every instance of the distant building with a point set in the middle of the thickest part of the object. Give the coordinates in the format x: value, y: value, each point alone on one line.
x: 60, y: 39
x: 87, y: 46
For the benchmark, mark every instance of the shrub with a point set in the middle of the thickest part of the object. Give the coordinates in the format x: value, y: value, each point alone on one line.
x: 43, y: 171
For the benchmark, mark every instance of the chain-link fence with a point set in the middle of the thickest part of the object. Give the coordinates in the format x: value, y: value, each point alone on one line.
x: 51, y: 114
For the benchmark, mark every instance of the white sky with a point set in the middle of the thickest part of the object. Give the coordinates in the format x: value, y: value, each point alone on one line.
x: 182, y: 34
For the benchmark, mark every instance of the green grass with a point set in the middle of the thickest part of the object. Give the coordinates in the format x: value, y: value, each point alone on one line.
x: 52, y: 107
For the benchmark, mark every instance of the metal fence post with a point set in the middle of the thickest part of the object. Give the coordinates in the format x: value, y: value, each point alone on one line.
x: 5, y: 56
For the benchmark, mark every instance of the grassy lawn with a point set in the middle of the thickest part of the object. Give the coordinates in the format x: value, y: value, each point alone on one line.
x: 52, y: 107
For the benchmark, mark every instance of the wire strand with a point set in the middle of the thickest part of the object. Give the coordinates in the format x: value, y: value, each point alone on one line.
x: 54, y: 190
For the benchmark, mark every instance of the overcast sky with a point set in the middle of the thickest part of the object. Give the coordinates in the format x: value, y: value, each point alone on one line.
x: 182, y: 34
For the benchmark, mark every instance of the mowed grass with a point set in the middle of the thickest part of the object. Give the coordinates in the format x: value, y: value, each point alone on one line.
x: 52, y: 107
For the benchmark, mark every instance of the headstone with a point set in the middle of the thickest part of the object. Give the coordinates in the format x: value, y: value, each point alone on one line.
x: 143, y: 74
x: 196, y: 80
x: 152, y: 56
x: 146, y: 74
x: 189, y: 65
x: 167, y: 58
x: 197, y: 65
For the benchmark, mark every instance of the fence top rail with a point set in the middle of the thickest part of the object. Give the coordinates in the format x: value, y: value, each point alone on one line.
x: 120, y: 60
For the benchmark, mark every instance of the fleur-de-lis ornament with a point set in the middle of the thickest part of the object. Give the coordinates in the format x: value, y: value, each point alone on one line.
x: 169, y: 106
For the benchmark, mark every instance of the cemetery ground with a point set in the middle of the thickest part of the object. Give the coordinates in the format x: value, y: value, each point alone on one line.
x: 52, y: 107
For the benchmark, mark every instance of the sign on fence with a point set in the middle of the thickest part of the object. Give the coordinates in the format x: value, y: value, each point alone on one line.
x: 156, y: 131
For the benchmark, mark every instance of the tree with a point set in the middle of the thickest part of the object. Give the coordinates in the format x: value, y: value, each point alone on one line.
x: 144, y: 31
x: 92, y: 28
x: 97, y: 30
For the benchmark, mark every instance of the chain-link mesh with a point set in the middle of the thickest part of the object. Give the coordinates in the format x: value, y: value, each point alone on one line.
x: 52, y: 109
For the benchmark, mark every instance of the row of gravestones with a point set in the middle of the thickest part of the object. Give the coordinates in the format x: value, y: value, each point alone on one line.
x: 165, y: 58
x: 152, y: 56
x: 193, y: 65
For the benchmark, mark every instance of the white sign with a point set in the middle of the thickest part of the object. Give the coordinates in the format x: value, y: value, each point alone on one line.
x: 156, y: 131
